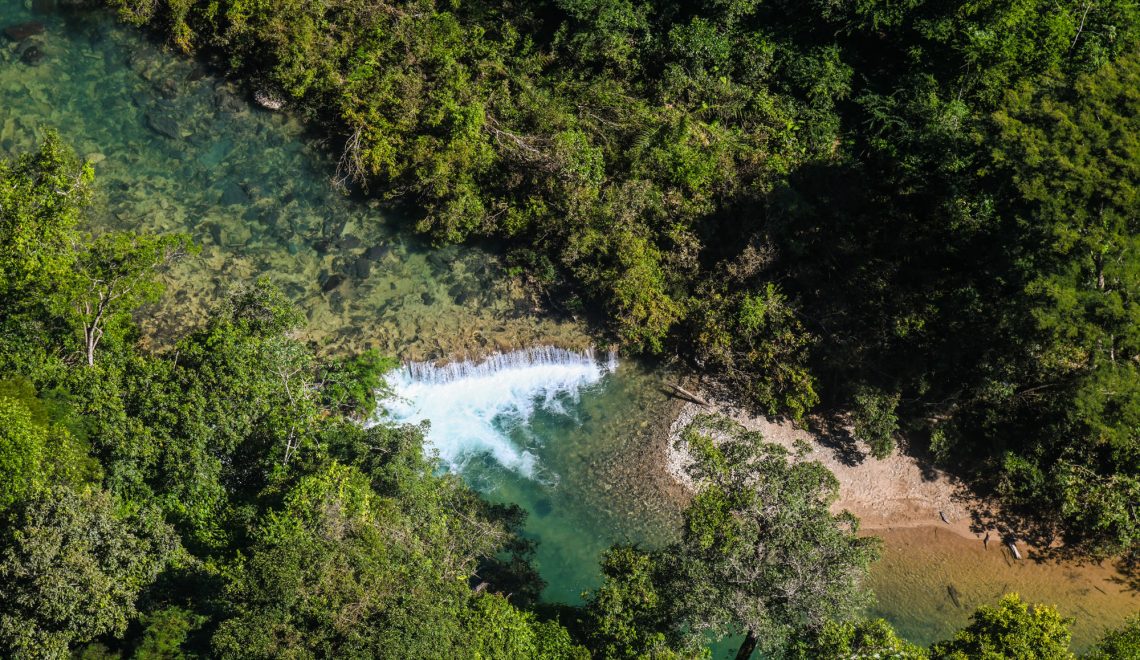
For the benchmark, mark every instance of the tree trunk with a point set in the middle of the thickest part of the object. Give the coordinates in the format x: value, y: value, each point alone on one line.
x: 747, y: 647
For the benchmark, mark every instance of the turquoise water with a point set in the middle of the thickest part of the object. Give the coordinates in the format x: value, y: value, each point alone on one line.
x: 177, y: 150
x: 570, y: 438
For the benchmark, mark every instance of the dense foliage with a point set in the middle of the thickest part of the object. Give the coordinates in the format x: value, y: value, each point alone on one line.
x: 921, y: 205
x: 218, y: 498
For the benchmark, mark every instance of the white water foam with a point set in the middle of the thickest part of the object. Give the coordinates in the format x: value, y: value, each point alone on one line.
x: 474, y: 406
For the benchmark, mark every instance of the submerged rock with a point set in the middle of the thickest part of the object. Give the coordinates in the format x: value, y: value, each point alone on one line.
x: 330, y: 282
x: 23, y: 30
x: 164, y: 125
x: 362, y: 267
x: 227, y: 101
x: 377, y: 252
x: 233, y: 194
x: 32, y: 55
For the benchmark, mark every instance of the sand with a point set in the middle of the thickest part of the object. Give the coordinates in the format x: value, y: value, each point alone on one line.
x: 893, y: 493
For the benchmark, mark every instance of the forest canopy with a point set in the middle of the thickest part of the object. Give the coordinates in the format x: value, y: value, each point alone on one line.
x: 921, y: 211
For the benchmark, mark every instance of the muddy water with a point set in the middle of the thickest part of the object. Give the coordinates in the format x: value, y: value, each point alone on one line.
x: 176, y: 150
x: 919, y: 565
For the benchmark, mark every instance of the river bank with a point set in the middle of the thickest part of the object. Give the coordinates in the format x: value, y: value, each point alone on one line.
x: 902, y: 500
x: 893, y: 493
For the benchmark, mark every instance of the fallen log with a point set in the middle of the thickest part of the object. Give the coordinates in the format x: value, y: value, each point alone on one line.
x: 943, y: 517
x: 686, y: 394
x: 1013, y: 549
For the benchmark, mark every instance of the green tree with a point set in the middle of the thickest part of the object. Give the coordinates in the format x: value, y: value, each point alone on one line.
x: 863, y: 640
x: 114, y: 276
x: 42, y: 196
x: 342, y: 570
x: 626, y: 616
x: 876, y: 421
x: 1123, y: 642
x: 762, y: 554
x: 1012, y: 629
x: 72, y: 568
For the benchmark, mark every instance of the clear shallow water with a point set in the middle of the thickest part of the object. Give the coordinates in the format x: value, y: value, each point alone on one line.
x: 177, y: 152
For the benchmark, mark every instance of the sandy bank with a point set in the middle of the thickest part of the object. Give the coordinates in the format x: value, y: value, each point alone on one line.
x: 894, y: 493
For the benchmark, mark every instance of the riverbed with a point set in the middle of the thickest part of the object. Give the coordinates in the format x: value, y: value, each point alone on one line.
x: 575, y: 442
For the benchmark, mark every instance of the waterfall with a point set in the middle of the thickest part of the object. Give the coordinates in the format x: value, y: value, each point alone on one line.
x: 483, y: 408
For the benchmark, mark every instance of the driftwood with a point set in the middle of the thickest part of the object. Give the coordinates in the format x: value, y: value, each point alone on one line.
x: 686, y: 394
x: 1014, y: 550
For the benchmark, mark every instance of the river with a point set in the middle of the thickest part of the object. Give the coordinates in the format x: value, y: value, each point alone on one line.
x: 574, y: 439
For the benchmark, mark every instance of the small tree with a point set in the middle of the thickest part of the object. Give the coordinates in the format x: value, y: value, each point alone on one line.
x: 1123, y: 642
x: 762, y: 554
x: 865, y: 639
x: 115, y: 276
x: 876, y: 419
x: 1012, y: 629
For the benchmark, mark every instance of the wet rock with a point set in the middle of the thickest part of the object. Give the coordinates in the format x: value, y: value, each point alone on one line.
x: 268, y: 99
x: 22, y: 31
x: 32, y: 56
x: 232, y: 194
x: 330, y: 282
x: 362, y: 267
x: 163, y: 124
x: 377, y: 252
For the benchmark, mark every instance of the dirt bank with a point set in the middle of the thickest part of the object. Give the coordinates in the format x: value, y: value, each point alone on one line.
x: 893, y: 493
